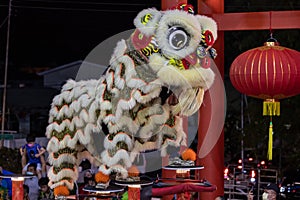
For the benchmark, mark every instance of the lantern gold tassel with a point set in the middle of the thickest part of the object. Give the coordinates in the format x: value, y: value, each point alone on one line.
x: 271, y: 107
x: 270, y: 145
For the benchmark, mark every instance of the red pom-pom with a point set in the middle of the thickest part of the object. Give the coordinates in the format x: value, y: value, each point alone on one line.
x: 100, y: 177
x: 133, y: 171
x: 189, y: 154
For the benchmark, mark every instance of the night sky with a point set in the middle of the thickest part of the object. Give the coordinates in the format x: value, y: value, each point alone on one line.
x: 49, y: 33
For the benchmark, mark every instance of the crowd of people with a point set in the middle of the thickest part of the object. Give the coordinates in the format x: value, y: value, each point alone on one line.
x: 34, y: 164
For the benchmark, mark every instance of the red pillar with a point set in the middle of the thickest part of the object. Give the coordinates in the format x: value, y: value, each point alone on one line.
x: 212, y: 114
x: 17, y: 188
x: 167, y: 4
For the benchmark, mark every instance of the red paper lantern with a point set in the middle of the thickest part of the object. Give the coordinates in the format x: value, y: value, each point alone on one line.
x: 270, y: 72
x: 267, y: 72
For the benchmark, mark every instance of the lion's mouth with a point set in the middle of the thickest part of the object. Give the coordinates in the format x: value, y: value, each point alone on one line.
x: 185, y: 102
x: 189, y: 101
x: 166, y: 95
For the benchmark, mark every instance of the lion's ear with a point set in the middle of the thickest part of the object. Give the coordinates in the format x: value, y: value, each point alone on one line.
x: 146, y: 21
x: 209, y: 29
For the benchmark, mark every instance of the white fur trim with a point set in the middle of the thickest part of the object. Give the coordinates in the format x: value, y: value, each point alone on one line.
x: 119, y: 81
x: 53, y: 145
x: 110, y: 80
x: 194, y: 77
x: 120, y: 137
x: 79, y: 123
x: 92, y: 112
x: 85, y: 100
x: 69, y: 185
x: 118, y: 51
x: 62, y: 158
x: 66, y: 172
x: 116, y: 92
x: 83, y: 115
x: 116, y: 168
x: 144, y: 98
x: 121, y: 105
x: 121, y: 154
x: 63, y: 112
x: 123, y: 122
x: 171, y: 131
x: 156, y: 62
x: 75, y: 105
x: 151, y: 86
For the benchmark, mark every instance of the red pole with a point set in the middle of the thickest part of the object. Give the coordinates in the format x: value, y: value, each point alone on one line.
x: 212, y: 115
x: 211, y: 138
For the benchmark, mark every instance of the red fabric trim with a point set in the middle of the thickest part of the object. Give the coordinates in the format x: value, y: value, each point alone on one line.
x: 185, y: 187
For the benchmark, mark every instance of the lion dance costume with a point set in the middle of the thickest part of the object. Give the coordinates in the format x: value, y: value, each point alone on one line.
x: 157, y: 75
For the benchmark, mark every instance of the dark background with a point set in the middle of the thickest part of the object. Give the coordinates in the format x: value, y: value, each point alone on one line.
x: 49, y: 33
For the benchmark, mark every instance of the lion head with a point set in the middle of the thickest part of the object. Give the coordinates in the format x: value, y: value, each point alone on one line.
x: 178, y: 47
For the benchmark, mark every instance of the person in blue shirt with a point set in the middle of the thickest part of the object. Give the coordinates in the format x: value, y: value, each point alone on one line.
x: 5, y: 185
x: 3, y: 189
x: 32, y: 153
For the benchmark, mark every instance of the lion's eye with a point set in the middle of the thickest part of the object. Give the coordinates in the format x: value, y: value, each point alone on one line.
x: 177, y: 37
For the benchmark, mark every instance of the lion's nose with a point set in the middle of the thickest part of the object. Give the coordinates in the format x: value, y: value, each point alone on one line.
x: 192, y: 59
x: 205, y: 55
x: 205, y: 62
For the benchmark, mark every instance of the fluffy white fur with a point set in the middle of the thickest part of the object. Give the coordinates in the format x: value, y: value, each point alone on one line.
x: 170, y: 75
x: 123, y: 122
x: 120, y: 137
x: 116, y: 168
x: 208, y: 24
x: 119, y: 155
x: 149, y: 28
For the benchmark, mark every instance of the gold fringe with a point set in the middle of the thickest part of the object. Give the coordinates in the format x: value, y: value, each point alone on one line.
x: 270, y: 145
x: 271, y: 107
